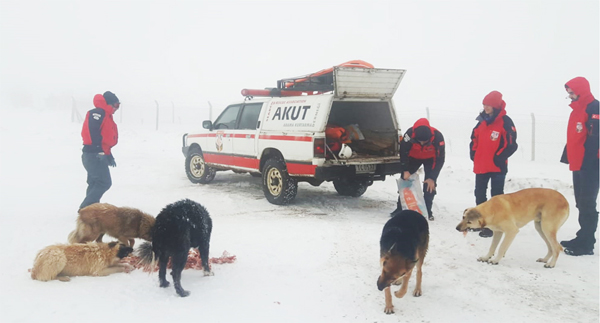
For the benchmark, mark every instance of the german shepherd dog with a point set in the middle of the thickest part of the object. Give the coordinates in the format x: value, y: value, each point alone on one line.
x: 123, y: 223
x: 179, y: 226
x: 506, y: 213
x: 404, y: 242
x: 82, y: 259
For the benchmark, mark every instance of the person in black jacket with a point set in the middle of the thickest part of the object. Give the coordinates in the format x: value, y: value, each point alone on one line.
x: 423, y: 145
x: 581, y: 153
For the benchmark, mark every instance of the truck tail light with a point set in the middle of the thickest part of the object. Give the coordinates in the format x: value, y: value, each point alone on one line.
x: 319, y: 148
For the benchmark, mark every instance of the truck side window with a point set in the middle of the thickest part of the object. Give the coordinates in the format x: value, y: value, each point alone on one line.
x: 228, y: 118
x: 249, y: 116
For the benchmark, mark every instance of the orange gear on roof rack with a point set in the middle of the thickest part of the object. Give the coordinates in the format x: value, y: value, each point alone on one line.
x: 354, y: 63
x: 311, y: 84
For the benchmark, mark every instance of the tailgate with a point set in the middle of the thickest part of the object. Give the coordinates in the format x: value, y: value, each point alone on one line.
x: 358, y: 82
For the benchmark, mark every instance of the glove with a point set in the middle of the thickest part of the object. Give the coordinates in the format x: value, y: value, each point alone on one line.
x: 110, y: 159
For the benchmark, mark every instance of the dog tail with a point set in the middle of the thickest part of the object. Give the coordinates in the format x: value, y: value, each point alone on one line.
x: 75, y: 235
x: 146, y: 254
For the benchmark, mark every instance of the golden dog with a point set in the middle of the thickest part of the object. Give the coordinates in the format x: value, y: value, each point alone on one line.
x: 123, y: 223
x: 505, y: 214
x: 81, y: 259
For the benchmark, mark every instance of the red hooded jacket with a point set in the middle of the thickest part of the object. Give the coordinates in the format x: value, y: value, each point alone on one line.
x: 582, y: 131
x: 493, y: 139
x: 99, y: 130
x: 434, y: 149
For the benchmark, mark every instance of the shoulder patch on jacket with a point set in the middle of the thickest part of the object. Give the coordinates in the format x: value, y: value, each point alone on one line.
x: 96, y: 116
x: 596, y: 116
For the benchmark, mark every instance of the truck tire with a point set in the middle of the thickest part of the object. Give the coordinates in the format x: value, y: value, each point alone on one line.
x: 351, y: 187
x: 196, y: 169
x: 278, y: 186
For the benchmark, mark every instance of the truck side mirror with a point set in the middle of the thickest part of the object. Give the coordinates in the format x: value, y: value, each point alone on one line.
x: 207, y: 124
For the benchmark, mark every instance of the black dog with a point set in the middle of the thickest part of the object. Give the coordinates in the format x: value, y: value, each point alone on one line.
x: 404, y: 242
x: 179, y: 226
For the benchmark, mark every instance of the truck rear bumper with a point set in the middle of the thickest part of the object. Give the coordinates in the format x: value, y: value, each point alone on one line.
x: 349, y: 171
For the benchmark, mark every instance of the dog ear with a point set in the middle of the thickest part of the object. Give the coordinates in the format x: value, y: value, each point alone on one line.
x: 112, y: 244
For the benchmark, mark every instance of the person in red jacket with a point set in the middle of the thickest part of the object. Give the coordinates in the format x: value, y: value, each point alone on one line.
x: 581, y: 153
x: 423, y: 145
x: 99, y: 135
x: 493, y: 140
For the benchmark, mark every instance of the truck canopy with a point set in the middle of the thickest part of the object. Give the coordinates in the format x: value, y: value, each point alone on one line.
x: 375, y: 83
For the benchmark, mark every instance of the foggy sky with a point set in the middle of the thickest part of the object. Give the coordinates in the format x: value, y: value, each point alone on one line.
x: 191, y: 52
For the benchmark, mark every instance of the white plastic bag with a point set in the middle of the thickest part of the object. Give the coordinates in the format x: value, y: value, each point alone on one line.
x: 411, y: 194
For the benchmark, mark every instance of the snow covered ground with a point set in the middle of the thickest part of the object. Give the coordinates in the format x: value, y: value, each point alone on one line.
x: 316, y: 260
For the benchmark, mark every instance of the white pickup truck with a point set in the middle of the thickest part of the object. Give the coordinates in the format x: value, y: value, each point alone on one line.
x: 285, y: 136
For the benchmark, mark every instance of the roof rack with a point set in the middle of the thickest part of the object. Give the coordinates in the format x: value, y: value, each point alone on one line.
x: 314, y: 83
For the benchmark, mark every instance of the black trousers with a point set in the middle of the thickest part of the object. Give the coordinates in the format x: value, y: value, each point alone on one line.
x: 481, y: 185
x: 585, y: 185
x: 413, y: 167
x: 98, y: 178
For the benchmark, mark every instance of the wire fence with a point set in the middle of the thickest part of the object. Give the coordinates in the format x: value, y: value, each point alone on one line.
x: 541, y: 137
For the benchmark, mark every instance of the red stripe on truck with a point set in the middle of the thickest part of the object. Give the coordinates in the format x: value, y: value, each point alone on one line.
x: 253, y: 163
x: 288, y: 138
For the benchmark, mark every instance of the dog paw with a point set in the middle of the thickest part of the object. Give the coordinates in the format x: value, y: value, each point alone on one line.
x: 417, y: 292
x: 389, y: 310
x: 548, y: 266
x: 483, y: 259
x: 400, y: 293
x: 208, y: 273
x: 542, y: 260
x: 127, y: 268
x: 493, y: 261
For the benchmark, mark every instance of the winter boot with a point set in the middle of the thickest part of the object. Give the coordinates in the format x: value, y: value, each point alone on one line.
x: 486, y: 233
x: 570, y: 243
x: 579, y: 251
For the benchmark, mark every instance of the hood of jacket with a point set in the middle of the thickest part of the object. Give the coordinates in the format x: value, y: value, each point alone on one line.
x: 421, y: 122
x: 581, y: 87
x: 100, y: 102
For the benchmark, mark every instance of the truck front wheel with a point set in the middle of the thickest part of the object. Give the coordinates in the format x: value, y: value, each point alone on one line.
x: 196, y: 169
x: 278, y: 186
x: 351, y: 187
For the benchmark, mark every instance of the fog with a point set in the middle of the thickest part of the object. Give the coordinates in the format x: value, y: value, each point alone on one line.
x: 189, y: 53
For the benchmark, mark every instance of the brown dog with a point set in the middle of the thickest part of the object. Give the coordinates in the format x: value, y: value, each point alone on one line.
x: 506, y: 213
x: 123, y: 223
x: 404, y: 242
x: 81, y: 259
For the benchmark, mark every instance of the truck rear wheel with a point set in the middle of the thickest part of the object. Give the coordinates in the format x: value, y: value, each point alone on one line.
x: 196, y: 169
x: 278, y: 186
x: 351, y: 187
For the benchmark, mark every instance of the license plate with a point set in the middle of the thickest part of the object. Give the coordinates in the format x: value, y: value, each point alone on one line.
x: 361, y: 169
